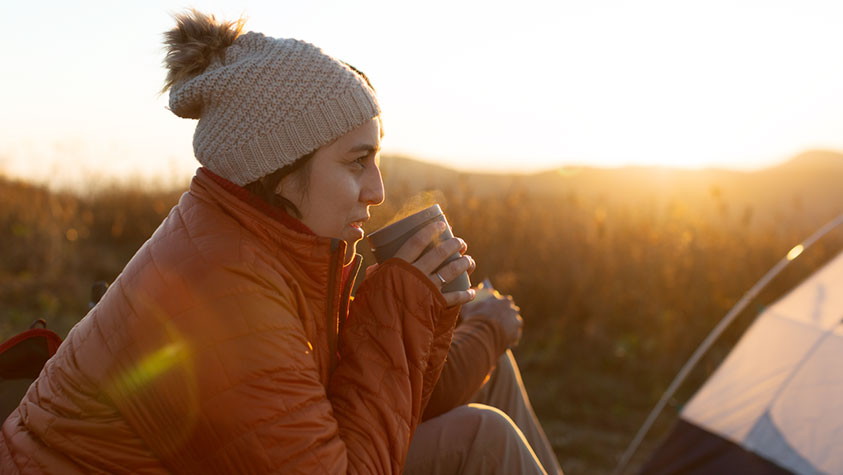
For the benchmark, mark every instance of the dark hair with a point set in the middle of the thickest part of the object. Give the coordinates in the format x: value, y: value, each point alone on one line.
x: 368, y: 83
x: 361, y: 74
x: 265, y: 187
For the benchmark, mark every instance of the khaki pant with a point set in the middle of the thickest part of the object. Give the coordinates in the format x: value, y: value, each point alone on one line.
x: 497, y: 434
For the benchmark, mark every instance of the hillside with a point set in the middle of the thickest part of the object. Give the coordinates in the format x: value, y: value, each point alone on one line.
x: 811, y: 183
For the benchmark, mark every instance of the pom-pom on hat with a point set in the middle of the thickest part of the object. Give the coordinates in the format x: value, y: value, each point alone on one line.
x: 262, y: 102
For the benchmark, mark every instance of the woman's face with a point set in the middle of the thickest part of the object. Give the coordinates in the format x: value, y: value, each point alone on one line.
x: 344, y: 180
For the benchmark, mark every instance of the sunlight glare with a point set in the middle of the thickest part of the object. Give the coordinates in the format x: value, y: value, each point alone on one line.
x: 794, y: 253
x: 500, y: 87
x: 153, y: 366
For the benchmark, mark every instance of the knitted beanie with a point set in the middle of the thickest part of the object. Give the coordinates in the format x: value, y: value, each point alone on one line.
x: 263, y: 103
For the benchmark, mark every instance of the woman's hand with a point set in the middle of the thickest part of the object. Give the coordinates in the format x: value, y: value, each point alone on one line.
x: 413, y: 251
x: 499, y: 308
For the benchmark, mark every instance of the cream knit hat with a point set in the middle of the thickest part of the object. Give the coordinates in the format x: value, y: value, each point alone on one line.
x: 262, y: 102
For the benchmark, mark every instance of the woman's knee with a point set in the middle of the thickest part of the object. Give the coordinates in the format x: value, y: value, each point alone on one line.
x: 471, y: 439
x: 485, y: 414
x: 488, y: 425
x: 495, y: 440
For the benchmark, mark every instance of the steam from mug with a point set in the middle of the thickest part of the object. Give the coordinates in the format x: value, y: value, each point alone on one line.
x: 386, y: 241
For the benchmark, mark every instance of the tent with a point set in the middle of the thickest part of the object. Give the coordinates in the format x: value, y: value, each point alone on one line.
x: 775, y: 405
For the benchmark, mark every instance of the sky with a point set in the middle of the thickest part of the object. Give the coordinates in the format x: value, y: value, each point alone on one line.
x: 474, y: 85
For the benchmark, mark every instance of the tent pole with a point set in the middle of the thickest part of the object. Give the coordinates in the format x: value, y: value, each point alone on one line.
x: 715, y: 333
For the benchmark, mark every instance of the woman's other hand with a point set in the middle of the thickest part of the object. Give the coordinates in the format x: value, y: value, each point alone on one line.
x: 413, y: 251
x: 499, y: 308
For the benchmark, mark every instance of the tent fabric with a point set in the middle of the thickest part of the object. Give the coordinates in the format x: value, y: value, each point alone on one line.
x: 688, y: 449
x: 740, y: 391
x: 779, y: 393
x: 808, y: 412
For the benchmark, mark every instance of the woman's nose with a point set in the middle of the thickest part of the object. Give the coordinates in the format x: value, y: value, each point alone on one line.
x: 372, y: 193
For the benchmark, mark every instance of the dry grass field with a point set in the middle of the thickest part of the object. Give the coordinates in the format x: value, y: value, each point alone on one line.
x: 619, y: 273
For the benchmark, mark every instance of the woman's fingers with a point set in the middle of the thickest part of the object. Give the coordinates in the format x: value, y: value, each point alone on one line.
x: 458, y: 297
x: 464, y: 247
x: 413, y: 248
x: 453, y: 269
x: 435, y: 257
x: 428, y: 253
x: 473, y: 265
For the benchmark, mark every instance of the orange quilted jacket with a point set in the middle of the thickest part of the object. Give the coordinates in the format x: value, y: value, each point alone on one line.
x: 224, y: 347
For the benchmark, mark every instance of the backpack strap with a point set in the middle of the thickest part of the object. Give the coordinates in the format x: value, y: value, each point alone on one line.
x: 23, y: 355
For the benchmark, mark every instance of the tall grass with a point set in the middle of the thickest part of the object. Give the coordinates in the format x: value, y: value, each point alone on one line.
x: 57, y: 244
x: 616, y: 293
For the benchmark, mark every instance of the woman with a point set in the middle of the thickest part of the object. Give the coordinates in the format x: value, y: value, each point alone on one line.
x: 229, y: 343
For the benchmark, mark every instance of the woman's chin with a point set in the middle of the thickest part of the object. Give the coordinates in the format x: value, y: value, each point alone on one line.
x: 354, y: 234
x: 350, y: 251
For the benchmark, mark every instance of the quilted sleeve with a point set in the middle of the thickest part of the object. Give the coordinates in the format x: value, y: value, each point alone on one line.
x: 392, y: 350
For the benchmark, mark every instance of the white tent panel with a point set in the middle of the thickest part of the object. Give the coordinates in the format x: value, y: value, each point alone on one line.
x: 818, y: 300
x: 809, y: 410
x: 739, y: 392
x: 742, y: 389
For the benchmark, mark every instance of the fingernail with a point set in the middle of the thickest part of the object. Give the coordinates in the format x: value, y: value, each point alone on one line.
x: 441, y: 225
x: 471, y: 292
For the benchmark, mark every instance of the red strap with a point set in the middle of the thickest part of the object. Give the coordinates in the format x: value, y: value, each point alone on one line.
x: 52, y: 338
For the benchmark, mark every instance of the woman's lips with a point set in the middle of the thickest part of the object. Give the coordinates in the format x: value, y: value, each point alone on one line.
x: 358, y: 223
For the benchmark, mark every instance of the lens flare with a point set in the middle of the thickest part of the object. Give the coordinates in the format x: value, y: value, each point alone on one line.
x: 153, y: 366
x: 794, y: 253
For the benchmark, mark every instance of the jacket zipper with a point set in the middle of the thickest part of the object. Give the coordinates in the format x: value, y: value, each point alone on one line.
x: 336, y: 320
x: 331, y: 316
x: 346, y: 293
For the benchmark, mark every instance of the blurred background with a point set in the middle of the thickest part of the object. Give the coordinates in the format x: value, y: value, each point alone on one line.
x: 626, y: 170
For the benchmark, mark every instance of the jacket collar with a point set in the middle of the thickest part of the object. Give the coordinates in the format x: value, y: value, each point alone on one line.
x: 275, y: 227
x: 243, y: 194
